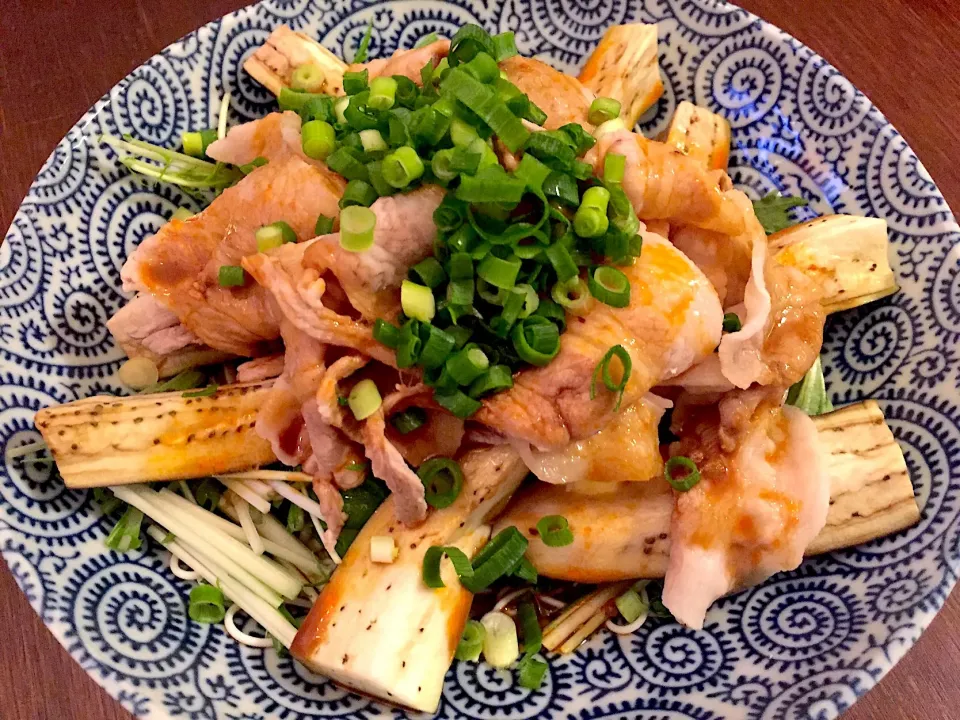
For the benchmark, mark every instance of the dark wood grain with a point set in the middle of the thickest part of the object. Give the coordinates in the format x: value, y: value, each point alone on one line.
x: 58, y: 57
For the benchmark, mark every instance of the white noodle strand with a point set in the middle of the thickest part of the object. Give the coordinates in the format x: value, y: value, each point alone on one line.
x: 239, y: 635
x: 181, y: 570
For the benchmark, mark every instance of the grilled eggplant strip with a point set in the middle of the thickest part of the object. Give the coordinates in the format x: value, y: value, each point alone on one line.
x: 284, y: 51
x: 624, y: 67
x: 376, y: 628
x: 700, y: 134
x: 624, y: 533
x: 846, y: 255
x: 103, y: 441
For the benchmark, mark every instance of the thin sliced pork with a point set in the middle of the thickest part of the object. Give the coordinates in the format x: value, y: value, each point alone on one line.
x: 672, y: 322
x: 408, y: 63
x: 664, y: 184
x: 404, y: 236
x: 626, y: 449
x: 180, y: 265
x: 145, y: 328
x: 762, y: 498
x: 272, y: 137
x: 388, y: 465
x: 562, y: 97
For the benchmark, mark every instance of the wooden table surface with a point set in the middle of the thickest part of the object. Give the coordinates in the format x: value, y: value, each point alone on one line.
x: 58, y: 56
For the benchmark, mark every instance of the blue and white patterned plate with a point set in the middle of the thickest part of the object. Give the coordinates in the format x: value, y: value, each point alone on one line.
x: 803, y: 645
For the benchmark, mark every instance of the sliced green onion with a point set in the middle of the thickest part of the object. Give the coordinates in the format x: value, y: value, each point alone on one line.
x: 343, y: 160
x: 340, y: 110
x: 324, y: 225
x: 535, y: 114
x: 614, y: 166
x: 402, y: 166
x: 603, y: 371
x: 231, y: 276
x: 249, y: 167
x: 581, y: 170
x: 359, y: 193
x: 530, y: 628
x: 460, y: 292
x: 491, y: 185
x: 206, y: 604
x: 689, y: 478
x: 409, y: 420
x: 500, y: 646
x: 554, y: 531
x: 364, y: 399
x: 416, y: 300
x: 562, y: 263
x: 271, y: 236
x: 491, y: 110
x: 467, y: 365
x: 208, y: 391
x: 499, y: 272
x: 319, y: 139
x: 603, y: 109
x: 355, y: 82
x: 731, y: 322
x: 562, y: 187
x: 431, y: 565
x: 442, y: 481
x: 579, y: 137
x: 409, y: 344
x: 531, y: 301
x: 591, y: 218
x: 357, y: 224
x: 125, y: 535
x: 461, y: 335
x: 572, y: 294
x: 504, y: 46
x: 630, y: 605
x: 307, y: 78
x: 471, y: 642
x: 536, y: 340
x: 195, y: 143
x: 495, y: 379
x: 533, y: 172
x: 295, y: 518
x: 524, y: 570
x: 497, y: 558
x: 530, y: 673
x: 373, y: 141
x: 430, y: 272
x: 375, y: 175
x: 553, y: 312
x: 462, y: 134
x: 386, y: 333
x: 469, y: 40
x: 437, y: 346
x: 610, y: 286
x: 383, y: 93
x: 483, y: 68
x: 456, y: 402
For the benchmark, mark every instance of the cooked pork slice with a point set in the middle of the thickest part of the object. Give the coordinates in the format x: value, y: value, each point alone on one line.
x: 672, y: 322
x: 180, y: 265
x: 762, y: 498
